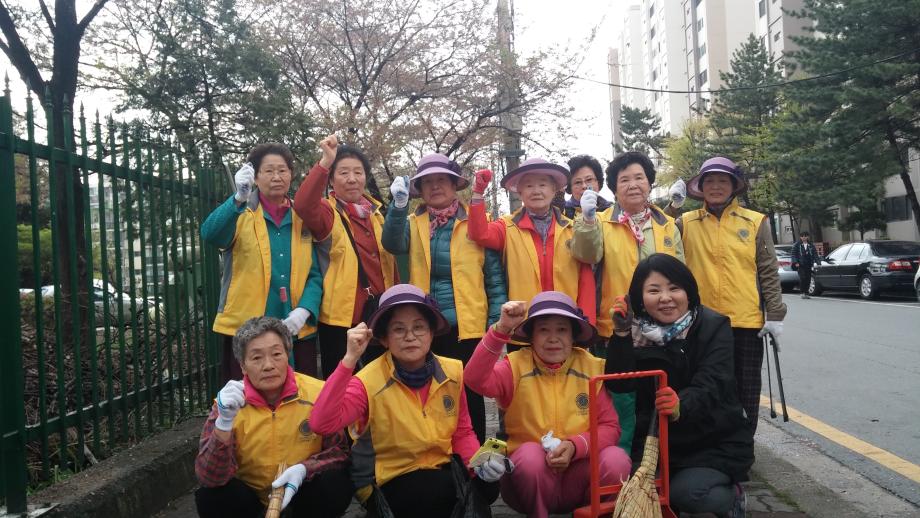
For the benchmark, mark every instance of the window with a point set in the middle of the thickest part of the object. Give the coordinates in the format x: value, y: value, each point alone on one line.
x: 762, y: 8
x: 703, y: 77
x: 896, y: 208
x: 838, y: 254
x: 855, y: 251
x: 651, y: 10
x: 702, y: 50
x: 652, y: 34
x: 777, y: 36
x: 699, y: 24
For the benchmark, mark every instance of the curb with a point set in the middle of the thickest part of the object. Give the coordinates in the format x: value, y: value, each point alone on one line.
x: 138, y: 481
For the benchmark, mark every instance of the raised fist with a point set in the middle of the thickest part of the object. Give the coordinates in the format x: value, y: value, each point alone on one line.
x: 481, y: 180
x: 329, y: 146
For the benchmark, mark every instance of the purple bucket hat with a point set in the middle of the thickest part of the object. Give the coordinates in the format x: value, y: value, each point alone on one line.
x: 408, y: 294
x: 536, y: 165
x: 436, y: 163
x: 716, y: 165
x: 556, y: 303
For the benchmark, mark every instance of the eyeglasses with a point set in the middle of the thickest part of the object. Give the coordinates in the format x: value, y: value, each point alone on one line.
x: 280, y: 173
x: 400, y: 331
x: 583, y: 183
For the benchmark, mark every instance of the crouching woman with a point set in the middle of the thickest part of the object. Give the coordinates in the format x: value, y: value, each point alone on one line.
x: 408, y: 412
x: 544, y: 392
x: 263, y: 421
x: 666, y: 327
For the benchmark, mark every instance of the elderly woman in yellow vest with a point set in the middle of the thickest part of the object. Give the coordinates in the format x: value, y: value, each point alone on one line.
x: 347, y: 226
x: 730, y: 252
x: 617, y: 239
x: 466, y: 280
x: 544, y: 392
x: 535, y: 239
x: 407, y: 409
x: 270, y: 266
x: 262, y: 422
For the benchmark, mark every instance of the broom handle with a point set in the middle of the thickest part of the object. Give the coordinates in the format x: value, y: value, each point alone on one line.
x: 276, y: 497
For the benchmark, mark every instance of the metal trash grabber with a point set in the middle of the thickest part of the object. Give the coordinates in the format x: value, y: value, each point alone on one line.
x: 779, y: 375
x: 766, y: 351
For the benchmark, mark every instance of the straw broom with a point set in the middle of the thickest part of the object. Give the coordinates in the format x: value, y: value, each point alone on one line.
x: 276, y: 497
x: 638, y: 497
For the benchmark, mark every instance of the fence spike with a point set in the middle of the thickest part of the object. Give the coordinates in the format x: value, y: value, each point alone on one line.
x: 6, y: 83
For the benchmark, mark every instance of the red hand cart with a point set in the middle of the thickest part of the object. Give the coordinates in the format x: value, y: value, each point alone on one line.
x: 596, y: 507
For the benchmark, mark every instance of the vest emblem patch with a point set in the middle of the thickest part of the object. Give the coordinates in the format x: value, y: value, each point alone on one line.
x: 449, y: 404
x: 306, y: 433
x: 668, y: 243
x: 581, y: 401
x: 743, y: 234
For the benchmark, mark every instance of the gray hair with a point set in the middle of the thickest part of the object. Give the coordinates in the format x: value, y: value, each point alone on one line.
x: 256, y: 327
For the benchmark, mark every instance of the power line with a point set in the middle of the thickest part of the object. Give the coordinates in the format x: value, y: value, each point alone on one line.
x: 755, y: 87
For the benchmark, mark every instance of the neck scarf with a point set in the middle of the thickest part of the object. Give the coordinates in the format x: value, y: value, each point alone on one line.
x: 437, y: 218
x: 276, y: 212
x: 541, y: 223
x: 417, y: 378
x: 717, y: 210
x: 635, y: 222
x: 363, y: 208
x: 648, y: 333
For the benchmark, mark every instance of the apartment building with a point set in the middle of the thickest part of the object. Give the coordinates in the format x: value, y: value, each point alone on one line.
x: 777, y: 27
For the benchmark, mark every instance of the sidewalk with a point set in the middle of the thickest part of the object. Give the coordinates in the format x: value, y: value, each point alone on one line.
x: 763, y: 500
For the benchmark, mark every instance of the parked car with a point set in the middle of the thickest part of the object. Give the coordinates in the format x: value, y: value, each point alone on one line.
x: 115, y: 298
x: 788, y: 278
x: 869, y: 268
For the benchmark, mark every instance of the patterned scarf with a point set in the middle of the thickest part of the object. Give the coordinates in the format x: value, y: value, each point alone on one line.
x: 437, y: 218
x: 363, y: 208
x: 417, y: 378
x: 542, y: 223
x: 647, y: 333
x: 636, y: 222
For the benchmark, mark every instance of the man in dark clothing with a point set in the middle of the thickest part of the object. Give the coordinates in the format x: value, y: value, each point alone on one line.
x: 804, y: 256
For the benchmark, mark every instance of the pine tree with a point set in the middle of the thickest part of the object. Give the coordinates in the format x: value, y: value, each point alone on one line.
x: 864, y: 114
x: 641, y: 131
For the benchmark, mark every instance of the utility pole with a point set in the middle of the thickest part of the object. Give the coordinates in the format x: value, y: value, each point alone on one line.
x: 509, y: 94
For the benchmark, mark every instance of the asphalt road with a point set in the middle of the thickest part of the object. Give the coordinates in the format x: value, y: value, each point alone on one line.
x: 855, y: 365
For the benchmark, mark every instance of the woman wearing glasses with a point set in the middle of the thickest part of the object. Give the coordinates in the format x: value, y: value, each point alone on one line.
x: 407, y: 410
x: 270, y: 266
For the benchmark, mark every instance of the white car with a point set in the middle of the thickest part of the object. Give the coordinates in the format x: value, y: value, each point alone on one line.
x: 917, y: 284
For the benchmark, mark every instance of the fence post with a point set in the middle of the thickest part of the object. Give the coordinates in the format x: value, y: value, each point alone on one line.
x: 12, y: 409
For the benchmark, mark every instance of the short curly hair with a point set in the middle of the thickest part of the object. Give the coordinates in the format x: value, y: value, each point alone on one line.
x: 624, y: 160
x: 256, y: 327
x: 259, y: 152
x: 579, y: 161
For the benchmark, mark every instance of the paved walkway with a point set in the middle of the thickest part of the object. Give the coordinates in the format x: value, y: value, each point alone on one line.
x: 763, y: 501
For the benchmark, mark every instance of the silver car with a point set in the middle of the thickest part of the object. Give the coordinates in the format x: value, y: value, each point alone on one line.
x: 788, y: 278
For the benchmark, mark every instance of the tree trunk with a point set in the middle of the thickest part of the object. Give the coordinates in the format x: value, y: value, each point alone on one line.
x: 905, y: 175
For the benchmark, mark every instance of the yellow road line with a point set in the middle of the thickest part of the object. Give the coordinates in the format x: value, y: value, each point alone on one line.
x: 883, y: 457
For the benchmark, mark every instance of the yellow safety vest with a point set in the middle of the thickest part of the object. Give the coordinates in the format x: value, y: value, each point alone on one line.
x: 523, y: 265
x: 547, y: 400
x: 403, y: 434
x: 340, y: 280
x: 466, y: 263
x: 621, y: 256
x: 250, y: 255
x: 265, y: 438
x: 722, y: 254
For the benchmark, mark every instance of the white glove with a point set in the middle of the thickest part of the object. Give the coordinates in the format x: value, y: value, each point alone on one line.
x: 493, y: 469
x: 589, y: 204
x: 549, y: 442
x: 774, y: 328
x: 678, y: 193
x: 291, y: 479
x: 295, y: 321
x: 230, y: 400
x: 400, y: 191
x: 244, y: 179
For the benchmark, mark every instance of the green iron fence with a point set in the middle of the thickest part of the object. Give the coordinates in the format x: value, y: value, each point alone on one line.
x: 105, y: 338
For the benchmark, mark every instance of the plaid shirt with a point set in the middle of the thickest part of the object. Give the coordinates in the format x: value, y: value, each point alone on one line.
x: 216, y: 461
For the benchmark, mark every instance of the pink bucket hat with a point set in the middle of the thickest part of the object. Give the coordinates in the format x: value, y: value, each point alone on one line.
x: 556, y: 303
x: 436, y: 163
x: 536, y: 165
x: 717, y: 165
x: 408, y: 294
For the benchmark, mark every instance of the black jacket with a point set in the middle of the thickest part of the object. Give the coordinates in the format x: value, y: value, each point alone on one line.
x: 712, y: 430
x: 804, y: 255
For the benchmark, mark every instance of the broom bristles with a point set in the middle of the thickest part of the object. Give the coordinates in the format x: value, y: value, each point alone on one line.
x: 638, y: 497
